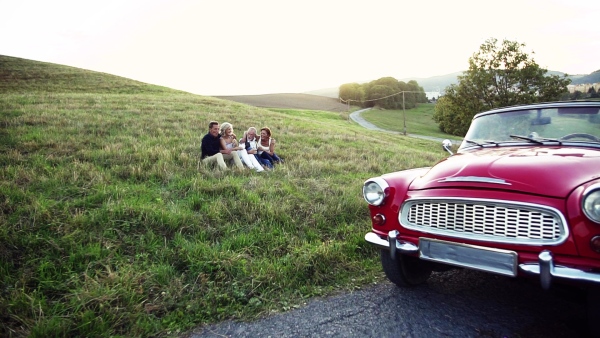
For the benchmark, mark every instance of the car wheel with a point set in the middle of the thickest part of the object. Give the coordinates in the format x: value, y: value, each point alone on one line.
x: 405, y: 271
x: 593, y: 312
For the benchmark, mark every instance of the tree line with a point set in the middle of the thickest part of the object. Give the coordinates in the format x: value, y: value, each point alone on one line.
x: 386, y: 92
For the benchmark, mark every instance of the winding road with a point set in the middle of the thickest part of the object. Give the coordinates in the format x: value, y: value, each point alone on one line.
x: 357, y: 117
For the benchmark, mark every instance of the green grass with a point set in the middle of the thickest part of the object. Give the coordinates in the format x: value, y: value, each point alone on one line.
x: 418, y: 120
x: 110, y: 225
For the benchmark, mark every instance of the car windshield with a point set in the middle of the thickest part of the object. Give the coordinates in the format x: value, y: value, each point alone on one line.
x: 535, y: 126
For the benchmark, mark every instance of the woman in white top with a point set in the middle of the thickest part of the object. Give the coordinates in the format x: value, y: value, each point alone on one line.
x: 266, y: 147
x: 230, y: 141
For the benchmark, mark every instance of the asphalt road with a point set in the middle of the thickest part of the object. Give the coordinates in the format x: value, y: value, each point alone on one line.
x: 458, y: 303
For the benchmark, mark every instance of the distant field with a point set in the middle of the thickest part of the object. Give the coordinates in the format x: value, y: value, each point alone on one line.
x: 290, y: 101
x: 419, y: 120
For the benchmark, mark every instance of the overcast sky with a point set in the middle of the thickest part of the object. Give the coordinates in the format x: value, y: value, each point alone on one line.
x: 242, y: 47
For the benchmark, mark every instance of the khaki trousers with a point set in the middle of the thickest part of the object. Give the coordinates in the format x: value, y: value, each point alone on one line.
x: 220, y: 159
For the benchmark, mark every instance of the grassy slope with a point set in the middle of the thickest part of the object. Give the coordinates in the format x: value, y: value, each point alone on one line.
x: 419, y: 121
x: 291, y: 101
x: 109, y: 225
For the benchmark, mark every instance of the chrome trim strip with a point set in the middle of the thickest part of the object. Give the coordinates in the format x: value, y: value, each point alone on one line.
x: 477, y: 179
x: 548, y: 271
x: 402, y: 218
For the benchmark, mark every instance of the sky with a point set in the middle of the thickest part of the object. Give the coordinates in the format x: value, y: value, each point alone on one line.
x: 248, y: 47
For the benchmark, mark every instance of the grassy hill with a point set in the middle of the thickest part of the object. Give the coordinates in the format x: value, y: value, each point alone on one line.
x: 26, y: 76
x: 290, y: 101
x: 110, y: 225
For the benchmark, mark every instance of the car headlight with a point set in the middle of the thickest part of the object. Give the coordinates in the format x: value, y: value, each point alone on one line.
x: 591, y: 203
x: 375, y: 191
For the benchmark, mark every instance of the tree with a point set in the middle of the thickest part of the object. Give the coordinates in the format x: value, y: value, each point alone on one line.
x: 499, y: 75
x: 577, y: 95
x: 385, y: 92
x: 352, y: 92
x: 420, y: 97
x: 381, y: 95
x: 381, y: 92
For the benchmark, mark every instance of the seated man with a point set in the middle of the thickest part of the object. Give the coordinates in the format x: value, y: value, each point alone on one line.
x: 214, y: 150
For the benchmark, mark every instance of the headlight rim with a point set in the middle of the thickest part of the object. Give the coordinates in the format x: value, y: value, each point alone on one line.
x: 586, y: 194
x: 383, y: 185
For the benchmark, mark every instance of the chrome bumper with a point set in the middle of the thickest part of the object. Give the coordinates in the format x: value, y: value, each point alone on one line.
x: 548, y: 271
x: 545, y: 267
x: 393, y: 243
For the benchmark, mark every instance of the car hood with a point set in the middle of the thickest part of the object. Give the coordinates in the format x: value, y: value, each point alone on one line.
x: 549, y: 171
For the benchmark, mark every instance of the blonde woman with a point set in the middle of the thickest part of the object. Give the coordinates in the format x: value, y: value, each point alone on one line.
x: 230, y: 142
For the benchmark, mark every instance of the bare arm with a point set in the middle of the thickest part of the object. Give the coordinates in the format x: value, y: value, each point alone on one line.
x: 272, y: 147
x: 224, y: 149
x: 236, y: 145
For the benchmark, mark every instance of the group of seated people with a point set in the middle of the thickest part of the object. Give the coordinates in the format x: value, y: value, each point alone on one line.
x: 221, y: 144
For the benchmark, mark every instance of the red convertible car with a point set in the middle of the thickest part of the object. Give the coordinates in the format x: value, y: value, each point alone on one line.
x: 521, y: 197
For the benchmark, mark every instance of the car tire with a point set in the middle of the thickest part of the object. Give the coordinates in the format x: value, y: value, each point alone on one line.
x: 405, y: 271
x: 593, y: 312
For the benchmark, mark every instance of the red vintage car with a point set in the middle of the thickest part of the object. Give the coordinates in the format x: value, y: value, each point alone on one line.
x: 521, y: 197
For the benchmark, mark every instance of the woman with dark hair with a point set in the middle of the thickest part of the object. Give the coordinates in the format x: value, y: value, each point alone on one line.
x: 266, y: 147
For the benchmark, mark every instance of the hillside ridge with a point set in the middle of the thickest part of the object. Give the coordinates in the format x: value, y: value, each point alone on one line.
x: 290, y: 101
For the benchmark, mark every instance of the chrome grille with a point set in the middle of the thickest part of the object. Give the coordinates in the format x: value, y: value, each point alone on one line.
x: 489, y: 220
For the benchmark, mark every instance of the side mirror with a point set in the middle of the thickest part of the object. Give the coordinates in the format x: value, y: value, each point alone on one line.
x: 447, y: 144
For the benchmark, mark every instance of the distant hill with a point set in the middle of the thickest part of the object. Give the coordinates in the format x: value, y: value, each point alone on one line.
x: 590, y: 78
x: 19, y: 75
x: 436, y: 83
x: 327, y: 92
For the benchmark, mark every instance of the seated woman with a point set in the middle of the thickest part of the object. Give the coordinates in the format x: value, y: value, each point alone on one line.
x: 230, y: 142
x: 266, y: 146
x: 251, y: 142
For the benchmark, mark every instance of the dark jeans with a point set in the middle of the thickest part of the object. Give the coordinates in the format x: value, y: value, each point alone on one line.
x: 263, y: 161
x: 270, y: 159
